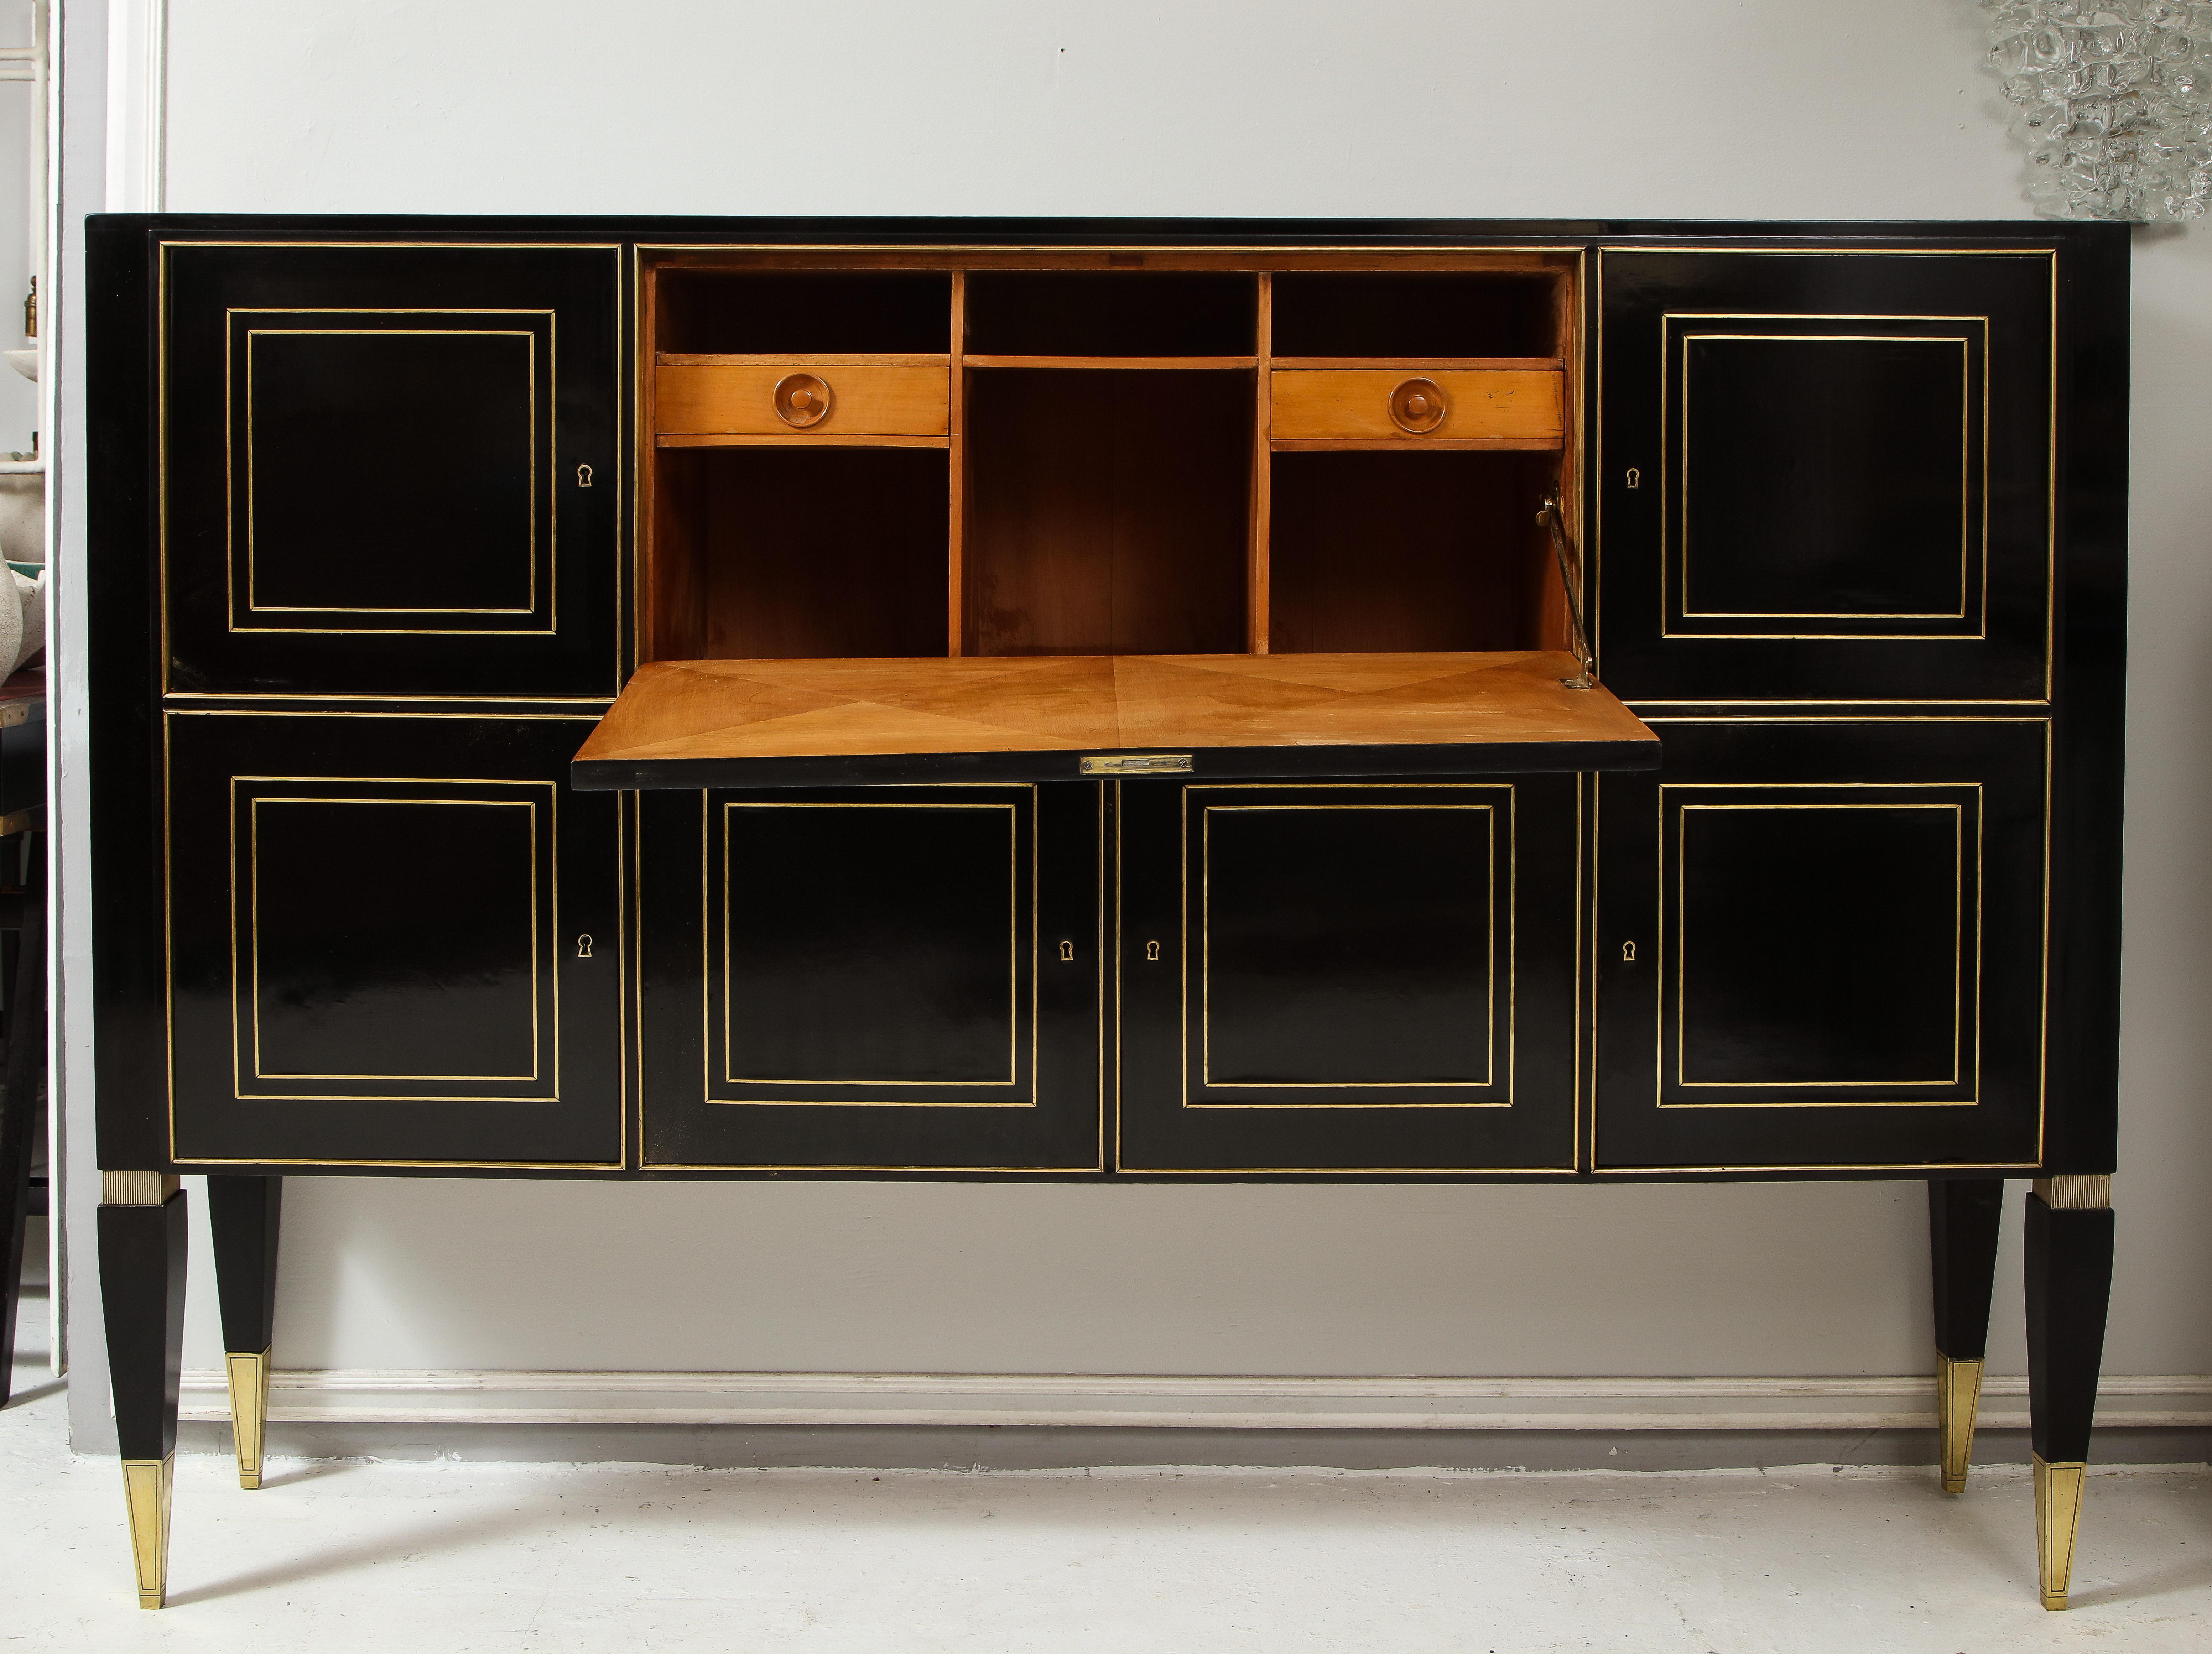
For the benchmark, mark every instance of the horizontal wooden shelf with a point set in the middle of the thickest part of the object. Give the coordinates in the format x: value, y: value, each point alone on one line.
x: 1148, y: 364
x: 791, y: 439
x: 699, y: 723
x: 694, y: 359
x: 1415, y: 364
x: 1408, y: 444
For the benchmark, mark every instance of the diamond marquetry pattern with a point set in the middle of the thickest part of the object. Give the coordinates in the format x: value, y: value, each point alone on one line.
x: 810, y: 708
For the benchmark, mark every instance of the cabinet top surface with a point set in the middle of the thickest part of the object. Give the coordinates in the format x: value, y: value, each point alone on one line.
x: 675, y: 712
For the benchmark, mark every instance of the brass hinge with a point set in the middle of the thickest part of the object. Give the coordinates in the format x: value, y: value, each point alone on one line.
x: 1139, y: 764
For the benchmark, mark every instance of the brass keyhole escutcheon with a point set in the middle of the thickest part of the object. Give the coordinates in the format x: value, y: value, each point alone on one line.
x: 584, y: 946
x: 1419, y: 406
x: 802, y: 399
x: 1628, y: 953
x: 1152, y: 950
x: 1635, y: 477
x: 583, y: 477
x: 1067, y: 953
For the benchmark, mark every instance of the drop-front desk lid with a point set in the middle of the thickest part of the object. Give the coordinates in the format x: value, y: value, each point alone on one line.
x: 694, y: 723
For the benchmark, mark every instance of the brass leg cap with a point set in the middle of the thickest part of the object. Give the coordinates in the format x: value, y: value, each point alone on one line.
x: 147, y: 1485
x: 1958, y: 1399
x: 2057, y: 1517
x: 249, y: 1412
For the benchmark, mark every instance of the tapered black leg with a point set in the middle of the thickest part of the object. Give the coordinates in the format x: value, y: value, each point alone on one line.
x: 25, y: 1061
x: 2069, y: 1248
x: 142, y: 1288
x: 1962, y: 1233
x: 242, y: 1216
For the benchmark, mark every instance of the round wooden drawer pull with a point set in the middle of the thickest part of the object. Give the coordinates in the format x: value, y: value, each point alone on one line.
x: 1419, y: 406
x: 802, y: 399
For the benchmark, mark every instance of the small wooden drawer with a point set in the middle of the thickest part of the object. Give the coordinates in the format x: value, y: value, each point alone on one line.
x: 1515, y: 408
x: 785, y: 399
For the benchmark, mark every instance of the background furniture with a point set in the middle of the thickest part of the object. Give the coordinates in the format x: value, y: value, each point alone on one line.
x: 23, y: 977
x: 1107, y: 700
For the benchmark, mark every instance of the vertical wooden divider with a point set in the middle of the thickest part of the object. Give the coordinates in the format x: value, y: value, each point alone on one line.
x: 645, y: 588
x: 1255, y: 556
x: 1554, y: 630
x: 956, y: 472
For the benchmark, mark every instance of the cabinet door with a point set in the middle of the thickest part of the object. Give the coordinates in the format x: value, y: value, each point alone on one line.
x: 1348, y: 978
x: 1821, y: 943
x: 1825, y: 476
x: 879, y: 979
x: 391, y: 941
x: 391, y: 470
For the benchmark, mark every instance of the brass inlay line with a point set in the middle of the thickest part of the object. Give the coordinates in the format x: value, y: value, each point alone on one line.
x: 537, y: 1042
x: 530, y: 528
x: 1511, y: 974
x: 1682, y: 940
x: 1813, y: 251
x: 456, y: 1165
x: 1489, y: 812
x: 325, y: 697
x: 1679, y: 956
x: 1765, y: 1167
x: 1666, y: 468
x: 1965, y: 461
x: 253, y: 900
x: 552, y: 620
x: 286, y: 711
x: 1013, y: 956
x: 1562, y: 1172
x: 706, y: 932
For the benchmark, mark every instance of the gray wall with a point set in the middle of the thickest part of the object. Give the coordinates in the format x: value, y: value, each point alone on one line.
x: 1787, y: 109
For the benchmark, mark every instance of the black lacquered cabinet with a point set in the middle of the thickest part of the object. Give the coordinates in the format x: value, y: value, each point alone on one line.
x: 1467, y: 702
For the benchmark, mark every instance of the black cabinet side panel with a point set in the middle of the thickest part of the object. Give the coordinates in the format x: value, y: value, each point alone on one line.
x: 123, y: 674
x: 2092, y: 690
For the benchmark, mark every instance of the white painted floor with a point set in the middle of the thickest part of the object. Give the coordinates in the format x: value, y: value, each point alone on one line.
x: 430, y: 1558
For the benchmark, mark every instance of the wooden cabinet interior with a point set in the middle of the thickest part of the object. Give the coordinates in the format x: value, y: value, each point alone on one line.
x: 1078, y: 453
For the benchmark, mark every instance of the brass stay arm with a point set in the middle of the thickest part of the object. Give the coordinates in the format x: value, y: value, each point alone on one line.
x: 1571, y: 576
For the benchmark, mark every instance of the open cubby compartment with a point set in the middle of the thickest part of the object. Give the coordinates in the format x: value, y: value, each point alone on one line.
x: 1420, y: 315
x: 1107, y: 512
x: 781, y: 312
x: 1390, y: 551
x: 781, y: 552
x: 1112, y: 313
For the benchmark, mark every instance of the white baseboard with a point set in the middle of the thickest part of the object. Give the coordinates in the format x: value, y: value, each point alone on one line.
x: 1158, y: 1403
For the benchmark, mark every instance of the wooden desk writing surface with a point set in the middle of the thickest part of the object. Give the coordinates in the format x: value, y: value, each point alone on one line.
x: 727, y: 722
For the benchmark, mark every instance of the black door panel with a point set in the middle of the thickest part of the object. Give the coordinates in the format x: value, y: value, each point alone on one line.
x: 392, y: 469
x: 1825, y: 475
x: 1348, y: 977
x: 392, y: 940
x: 1822, y: 943
x: 878, y: 978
